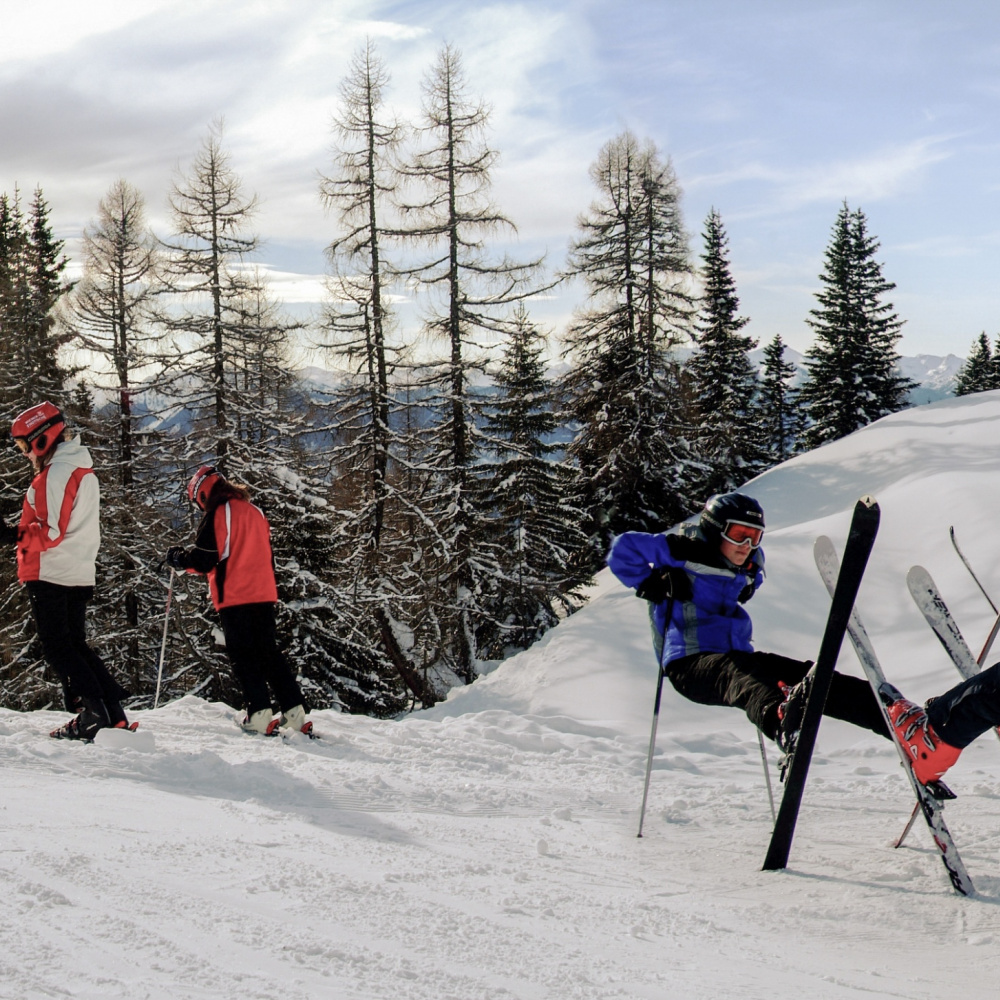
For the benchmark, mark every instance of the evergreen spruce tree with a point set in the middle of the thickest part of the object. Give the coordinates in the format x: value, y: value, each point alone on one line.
x: 724, y: 379
x: 624, y: 389
x: 853, y: 363
x: 994, y: 379
x: 780, y: 418
x: 979, y: 372
x: 538, y: 527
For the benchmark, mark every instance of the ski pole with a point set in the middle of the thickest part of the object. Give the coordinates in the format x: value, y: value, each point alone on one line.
x: 961, y: 555
x: 652, y: 741
x: 988, y: 645
x: 767, y: 774
x: 909, y: 826
x: 163, y: 644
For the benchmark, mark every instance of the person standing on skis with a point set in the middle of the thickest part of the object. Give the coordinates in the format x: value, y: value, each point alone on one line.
x: 57, y: 542
x: 233, y: 549
x: 697, y: 578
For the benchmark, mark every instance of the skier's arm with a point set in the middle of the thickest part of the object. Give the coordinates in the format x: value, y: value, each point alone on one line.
x: 205, y: 554
x: 635, y: 555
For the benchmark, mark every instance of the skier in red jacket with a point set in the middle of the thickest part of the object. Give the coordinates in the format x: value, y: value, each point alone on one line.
x: 57, y: 542
x: 233, y: 549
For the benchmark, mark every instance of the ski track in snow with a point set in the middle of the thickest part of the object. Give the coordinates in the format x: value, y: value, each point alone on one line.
x: 483, y: 856
x: 486, y: 849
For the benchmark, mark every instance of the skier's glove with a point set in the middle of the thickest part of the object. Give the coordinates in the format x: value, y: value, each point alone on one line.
x: 664, y: 582
x: 177, y: 558
x: 751, y: 588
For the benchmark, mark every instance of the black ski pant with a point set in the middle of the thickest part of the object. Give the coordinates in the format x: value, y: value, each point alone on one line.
x: 60, y: 614
x: 967, y: 710
x: 750, y: 681
x: 252, y: 647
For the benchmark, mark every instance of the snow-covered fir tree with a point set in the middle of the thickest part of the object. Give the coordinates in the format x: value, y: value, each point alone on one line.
x: 538, y: 529
x: 780, y: 418
x: 624, y: 389
x: 724, y: 379
x: 979, y: 372
x: 853, y: 362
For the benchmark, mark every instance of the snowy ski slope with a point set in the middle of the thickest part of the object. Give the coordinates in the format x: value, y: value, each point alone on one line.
x: 486, y: 849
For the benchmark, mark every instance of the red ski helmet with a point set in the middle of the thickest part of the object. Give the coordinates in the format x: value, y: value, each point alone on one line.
x: 40, y: 426
x: 201, y: 485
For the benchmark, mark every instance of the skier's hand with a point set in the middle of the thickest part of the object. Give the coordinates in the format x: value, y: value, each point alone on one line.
x: 751, y: 588
x: 664, y: 582
x: 177, y: 558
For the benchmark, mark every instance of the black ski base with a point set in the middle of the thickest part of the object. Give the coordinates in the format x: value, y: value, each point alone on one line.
x: 864, y: 527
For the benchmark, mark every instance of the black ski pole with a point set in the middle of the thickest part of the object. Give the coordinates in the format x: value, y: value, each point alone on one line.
x: 961, y: 555
x: 652, y: 741
x: 767, y: 774
x: 656, y: 711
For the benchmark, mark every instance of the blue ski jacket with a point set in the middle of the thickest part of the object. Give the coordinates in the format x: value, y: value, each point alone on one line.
x: 714, y: 620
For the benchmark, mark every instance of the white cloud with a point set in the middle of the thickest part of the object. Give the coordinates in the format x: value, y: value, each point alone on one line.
x: 874, y: 176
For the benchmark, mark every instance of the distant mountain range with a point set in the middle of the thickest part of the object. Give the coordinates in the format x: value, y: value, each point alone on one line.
x: 934, y: 374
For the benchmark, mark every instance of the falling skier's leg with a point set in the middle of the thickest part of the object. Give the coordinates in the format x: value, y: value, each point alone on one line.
x: 936, y: 736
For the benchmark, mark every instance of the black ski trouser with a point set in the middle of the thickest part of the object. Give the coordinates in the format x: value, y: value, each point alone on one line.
x: 968, y: 709
x: 750, y: 681
x: 252, y: 647
x: 60, y: 616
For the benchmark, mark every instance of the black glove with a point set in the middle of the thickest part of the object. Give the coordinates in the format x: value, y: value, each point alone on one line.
x: 750, y: 589
x: 664, y: 582
x: 177, y: 558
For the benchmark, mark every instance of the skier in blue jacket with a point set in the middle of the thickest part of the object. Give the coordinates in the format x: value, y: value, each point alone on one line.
x: 697, y: 577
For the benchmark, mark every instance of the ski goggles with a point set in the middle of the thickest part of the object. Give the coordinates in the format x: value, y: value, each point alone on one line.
x: 741, y: 533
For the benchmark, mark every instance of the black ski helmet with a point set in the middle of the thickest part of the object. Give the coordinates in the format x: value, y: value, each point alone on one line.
x: 725, y: 507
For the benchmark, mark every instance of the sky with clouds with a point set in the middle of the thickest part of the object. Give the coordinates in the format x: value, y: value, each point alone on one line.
x: 772, y: 111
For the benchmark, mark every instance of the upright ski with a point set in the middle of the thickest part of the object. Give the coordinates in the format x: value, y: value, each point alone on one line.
x: 864, y: 527
x: 927, y: 598
x: 931, y: 807
x: 940, y: 619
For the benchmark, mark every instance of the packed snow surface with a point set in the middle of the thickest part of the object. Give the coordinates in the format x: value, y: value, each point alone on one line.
x: 486, y: 849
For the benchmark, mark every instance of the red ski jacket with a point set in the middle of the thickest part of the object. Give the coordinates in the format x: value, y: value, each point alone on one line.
x: 233, y: 549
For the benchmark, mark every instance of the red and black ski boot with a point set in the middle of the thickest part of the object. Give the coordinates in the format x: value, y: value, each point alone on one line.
x: 929, y: 755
